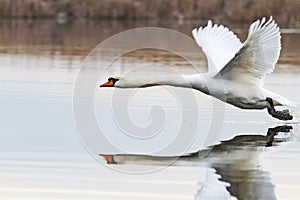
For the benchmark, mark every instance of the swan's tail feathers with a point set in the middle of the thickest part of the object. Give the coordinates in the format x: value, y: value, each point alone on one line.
x: 293, y: 104
x: 281, y: 100
x: 286, y: 102
x: 294, y: 109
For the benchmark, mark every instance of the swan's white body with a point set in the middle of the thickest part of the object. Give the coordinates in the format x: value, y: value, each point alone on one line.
x: 236, y: 71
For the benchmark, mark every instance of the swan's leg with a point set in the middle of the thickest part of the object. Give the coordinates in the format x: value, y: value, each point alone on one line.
x: 282, y: 115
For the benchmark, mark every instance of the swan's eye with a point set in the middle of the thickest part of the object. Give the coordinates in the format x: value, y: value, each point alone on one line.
x: 110, y: 83
x: 113, y: 79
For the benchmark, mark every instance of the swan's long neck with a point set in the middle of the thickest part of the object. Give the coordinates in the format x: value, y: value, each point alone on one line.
x: 185, y: 81
x: 197, y: 81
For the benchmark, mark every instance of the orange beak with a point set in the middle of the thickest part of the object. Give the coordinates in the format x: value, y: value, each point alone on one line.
x: 108, y: 84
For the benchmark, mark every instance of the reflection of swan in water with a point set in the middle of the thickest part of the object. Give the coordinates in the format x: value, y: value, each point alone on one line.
x: 233, y: 166
x: 237, y: 162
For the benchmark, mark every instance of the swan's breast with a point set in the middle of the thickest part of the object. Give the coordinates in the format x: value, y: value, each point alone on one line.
x: 246, y: 97
x: 238, y: 94
x: 247, y: 103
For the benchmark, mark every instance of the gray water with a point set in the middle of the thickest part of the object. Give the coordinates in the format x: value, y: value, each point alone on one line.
x: 42, y: 155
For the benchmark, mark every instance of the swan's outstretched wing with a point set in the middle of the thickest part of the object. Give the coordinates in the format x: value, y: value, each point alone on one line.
x: 218, y: 43
x: 258, y: 55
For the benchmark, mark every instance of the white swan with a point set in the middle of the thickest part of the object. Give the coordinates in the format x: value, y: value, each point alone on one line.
x: 236, y: 71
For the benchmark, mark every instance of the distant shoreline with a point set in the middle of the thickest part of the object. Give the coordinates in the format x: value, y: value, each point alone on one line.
x: 286, y: 12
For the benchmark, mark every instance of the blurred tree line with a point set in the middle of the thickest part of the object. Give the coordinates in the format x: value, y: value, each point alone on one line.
x: 286, y: 12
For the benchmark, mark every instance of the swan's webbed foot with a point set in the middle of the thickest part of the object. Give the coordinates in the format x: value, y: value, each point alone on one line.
x: 282, y: 115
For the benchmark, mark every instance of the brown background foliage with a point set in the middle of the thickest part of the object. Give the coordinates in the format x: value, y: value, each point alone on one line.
x: 286, y: 12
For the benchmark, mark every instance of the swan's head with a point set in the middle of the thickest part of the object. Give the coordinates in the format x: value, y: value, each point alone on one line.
x: 111, y: 82
x: 129, y: 82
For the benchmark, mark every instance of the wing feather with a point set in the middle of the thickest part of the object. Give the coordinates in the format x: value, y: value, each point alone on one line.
x: 258, y: 56
x: 218, y: 43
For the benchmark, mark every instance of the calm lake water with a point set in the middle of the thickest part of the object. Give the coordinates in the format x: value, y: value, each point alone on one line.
x: 42, y: 156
